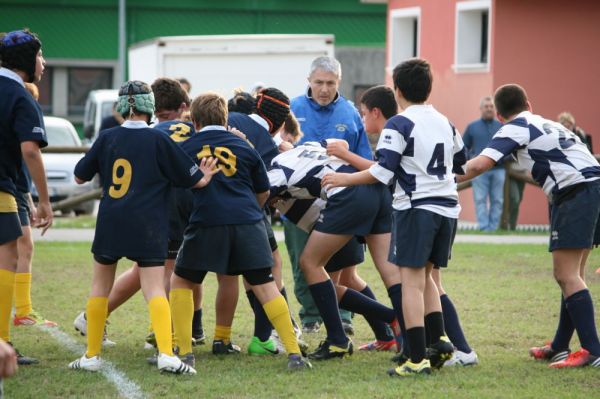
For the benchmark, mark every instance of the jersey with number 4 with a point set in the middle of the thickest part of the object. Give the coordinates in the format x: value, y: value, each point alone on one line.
x: 137, y: 166
x: 419, y: 151
x: 555, y: 156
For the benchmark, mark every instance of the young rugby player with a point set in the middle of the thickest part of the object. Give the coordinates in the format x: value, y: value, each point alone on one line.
x: 171, y: 101
x: 377, y: 105
x: 268, y: 114
x: 418, y: 149
x: 137, y: 166
x: 297, y: 174
x: 21, y: 134
x: 570, y: 176
x: 24, y: 313
x: 226, y: 234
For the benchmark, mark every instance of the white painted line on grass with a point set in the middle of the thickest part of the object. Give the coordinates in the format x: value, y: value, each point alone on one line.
x: 127, y: 388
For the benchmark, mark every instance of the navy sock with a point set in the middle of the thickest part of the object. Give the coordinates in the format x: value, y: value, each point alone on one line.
x: 452, y: 325
x: 434, y: 327
x: 262, y: 325
x: 376, y: 314
x: 367, y: 292
x: 326, y: 301
x: 416, y: 338
x: 581, y: 309
x: 565, y: 329
x: 197, y: 321
x: 395, y: 294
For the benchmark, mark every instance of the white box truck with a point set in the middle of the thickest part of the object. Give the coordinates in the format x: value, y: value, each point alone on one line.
x: 222, y: 63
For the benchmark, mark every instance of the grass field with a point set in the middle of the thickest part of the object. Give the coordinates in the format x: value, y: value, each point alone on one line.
x: 504, y: 293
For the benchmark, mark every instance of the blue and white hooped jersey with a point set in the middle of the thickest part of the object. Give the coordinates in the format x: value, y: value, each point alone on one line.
x: 419, y: 151
x: 296, y: 178
x: 299, y: 171
x: 555, y: 156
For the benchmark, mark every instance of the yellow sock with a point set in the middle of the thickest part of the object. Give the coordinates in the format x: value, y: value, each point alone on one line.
x: 223, y: 333
x: 182, y: 309
x: 7, y: 287
x: 96, y: 313
x: 279, y: 314
x: 160, y: 317
x: 23, y: 294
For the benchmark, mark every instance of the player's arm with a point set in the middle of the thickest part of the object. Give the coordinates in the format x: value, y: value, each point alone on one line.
x: 339, y: 148
x: 87, y: 167
x: 348, y: 179
x: 32, y: 208
x: 8, y: 360
x: 261, y: 198
x: 33, y: 159
x: 476, y: 166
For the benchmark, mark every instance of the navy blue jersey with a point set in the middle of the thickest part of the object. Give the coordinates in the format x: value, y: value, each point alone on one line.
x: 179, y: 131
x: 137, y: 166
x: 230, y: 196
x: 23, y: 182
x: 20, y: 120
x: 258, y: 135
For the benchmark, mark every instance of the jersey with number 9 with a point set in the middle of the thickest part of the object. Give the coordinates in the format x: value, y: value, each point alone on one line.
x: 137, y: 166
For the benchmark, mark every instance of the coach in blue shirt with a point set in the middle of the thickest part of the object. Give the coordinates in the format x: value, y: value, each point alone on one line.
x: 323, y: 113
x: 490, y: 184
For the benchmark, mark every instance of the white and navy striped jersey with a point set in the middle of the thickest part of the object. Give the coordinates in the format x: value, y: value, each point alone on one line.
x: 296, y: 177
x: 299, y: 171
x: 419, y: 151
x: 555, y: 156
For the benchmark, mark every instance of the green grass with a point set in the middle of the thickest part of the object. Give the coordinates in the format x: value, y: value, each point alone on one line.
x: 505, y: 295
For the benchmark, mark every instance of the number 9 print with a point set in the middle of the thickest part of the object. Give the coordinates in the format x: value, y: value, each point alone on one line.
x: 121, y: 178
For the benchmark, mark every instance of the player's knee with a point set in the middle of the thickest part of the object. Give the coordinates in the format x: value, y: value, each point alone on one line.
x: 258, y: 276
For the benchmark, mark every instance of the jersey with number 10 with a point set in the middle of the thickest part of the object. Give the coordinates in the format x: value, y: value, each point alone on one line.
x: 419, y: 151
x: 555, y: 156
x: 137, y: 166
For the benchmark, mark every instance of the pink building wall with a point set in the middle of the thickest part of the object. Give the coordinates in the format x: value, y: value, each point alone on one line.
x: 550, y: 47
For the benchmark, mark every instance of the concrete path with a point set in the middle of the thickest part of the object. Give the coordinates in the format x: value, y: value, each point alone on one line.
x: 87, y: 235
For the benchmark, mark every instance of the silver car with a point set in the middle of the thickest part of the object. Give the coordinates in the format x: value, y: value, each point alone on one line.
x: 60, y: 166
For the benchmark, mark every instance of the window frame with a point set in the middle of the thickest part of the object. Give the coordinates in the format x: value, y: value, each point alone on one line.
x: 466, y: 6
x: 60, y: 82
x: 394, y: 15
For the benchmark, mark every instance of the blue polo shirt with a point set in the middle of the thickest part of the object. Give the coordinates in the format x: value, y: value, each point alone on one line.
x: 137, y: 166
x: 478, y: 135
x: 21, y: 120
x: 337, y: 120
x: 230, y: 198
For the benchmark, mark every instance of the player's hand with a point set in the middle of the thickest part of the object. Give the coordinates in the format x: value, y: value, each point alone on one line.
x: 285, y: 146
x: 332, y: 180
x: 337, y: 148
x: 8, y: 360
x: 44, y: 216
x: 32, y: 213
x: 236, y: 132
x: 208, y: 167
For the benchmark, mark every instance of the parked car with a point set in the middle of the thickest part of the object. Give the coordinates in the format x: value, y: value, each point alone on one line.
x: 60, y: 166
x: 98, y: 106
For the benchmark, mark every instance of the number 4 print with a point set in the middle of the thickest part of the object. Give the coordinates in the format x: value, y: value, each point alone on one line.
x: 436, y: 166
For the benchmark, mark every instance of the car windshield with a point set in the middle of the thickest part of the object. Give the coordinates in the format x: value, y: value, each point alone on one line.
x: 107, y: 108
x: 60, y: 136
